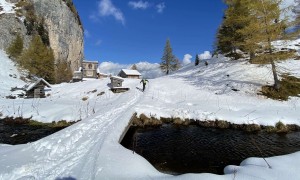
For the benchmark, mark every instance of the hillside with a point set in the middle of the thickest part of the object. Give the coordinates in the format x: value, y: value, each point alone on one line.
x: 90, y: 149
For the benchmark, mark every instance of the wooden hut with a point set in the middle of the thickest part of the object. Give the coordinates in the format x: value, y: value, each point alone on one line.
x: 37, y: 89
x: 116, y: 84
x: 128, y: 73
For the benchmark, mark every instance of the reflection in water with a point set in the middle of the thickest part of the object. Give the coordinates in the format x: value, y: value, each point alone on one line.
x: 192, y: 149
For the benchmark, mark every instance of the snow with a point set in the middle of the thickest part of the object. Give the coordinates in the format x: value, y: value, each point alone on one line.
x: 90, y: 149
x: 9, y: 75
x: 148, y: 70
x: 6, y: 7
x: 131, y: 72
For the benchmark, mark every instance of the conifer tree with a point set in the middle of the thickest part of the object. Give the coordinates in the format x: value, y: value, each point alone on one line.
x: 133, y: 67
x: 169, y: 61
x: 39, y: 59
x: 16, y: 47
x: 265, y: 26
x: 197, y: 60
x: 228, y: 36
x: 63, y: 71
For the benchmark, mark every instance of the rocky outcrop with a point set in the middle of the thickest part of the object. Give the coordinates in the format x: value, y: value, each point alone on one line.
x: 65, y: 31
x: 63, y: 26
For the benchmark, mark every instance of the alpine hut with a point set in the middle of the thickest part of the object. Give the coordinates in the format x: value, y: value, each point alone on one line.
x: 37, y: 89
x: 129, y: 73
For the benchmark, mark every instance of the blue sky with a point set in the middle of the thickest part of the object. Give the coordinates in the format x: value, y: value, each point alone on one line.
x: 130, y: 31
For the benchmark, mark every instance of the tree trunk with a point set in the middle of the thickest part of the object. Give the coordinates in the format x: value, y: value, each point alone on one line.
x: 276, y: 81
x: 252, y: 56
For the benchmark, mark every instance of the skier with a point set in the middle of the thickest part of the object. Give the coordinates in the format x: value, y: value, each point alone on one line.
x: 144, y: 81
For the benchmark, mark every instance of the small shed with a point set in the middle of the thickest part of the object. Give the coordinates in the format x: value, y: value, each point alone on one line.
x: 116, y: 85
x: 37, y: 89
x: 116, y: 81
x: 129, y: 73
x: 77, y: 76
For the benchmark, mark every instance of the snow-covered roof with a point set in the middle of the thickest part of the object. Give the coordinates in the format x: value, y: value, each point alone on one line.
x: 117, y: 77
x: 6, y: 7
x: 38, y: 81
x: 131, y: 72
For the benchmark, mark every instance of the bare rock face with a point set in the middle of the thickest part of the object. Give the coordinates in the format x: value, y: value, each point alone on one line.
x: 65, y: 31
x: 63, y: 25
x: 10, y: 26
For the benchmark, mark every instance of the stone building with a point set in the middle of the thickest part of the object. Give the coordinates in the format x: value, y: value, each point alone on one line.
x: 89, y: 69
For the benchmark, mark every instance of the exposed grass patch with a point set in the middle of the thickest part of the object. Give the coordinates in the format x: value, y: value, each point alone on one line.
x: 85, y: 98
x: 280, y: 55
x: 53, y: 124
x: 289, y: 86
x: 30, y: 122
x: 280, y: 128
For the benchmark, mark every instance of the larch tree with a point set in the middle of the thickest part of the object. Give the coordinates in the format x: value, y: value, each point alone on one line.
x: 169, y: 61
x: 266, y: 26
x: 15, y: 48
x: 63, y: 71
x: 39, y: 59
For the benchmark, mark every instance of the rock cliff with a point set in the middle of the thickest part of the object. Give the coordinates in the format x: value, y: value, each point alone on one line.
x: 62, y: 23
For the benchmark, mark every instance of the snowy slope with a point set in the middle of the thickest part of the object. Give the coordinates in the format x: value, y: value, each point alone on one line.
x: 9, y: 75
x: 90, y: 149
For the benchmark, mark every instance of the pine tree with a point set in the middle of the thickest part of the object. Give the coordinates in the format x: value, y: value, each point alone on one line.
x: 169, y: 61
x: 228, y: 36
x: 133, y: 67
x: 265, y: 26
x: 16, y: 47
x: 197, y: 60
x: 39, y: 59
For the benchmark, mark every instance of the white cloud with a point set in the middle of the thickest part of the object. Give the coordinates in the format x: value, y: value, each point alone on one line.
x: 106, y: 8
x: 160, y: 7
x: 94, y: 17
x: 187, y: 59
x: 205, y: 55
x: 87, y: 33
x: 98, y: 43
x: 139, y: 4
x: 147, y: 70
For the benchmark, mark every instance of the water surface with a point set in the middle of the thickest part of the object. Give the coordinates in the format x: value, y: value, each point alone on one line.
x: 177, y: 149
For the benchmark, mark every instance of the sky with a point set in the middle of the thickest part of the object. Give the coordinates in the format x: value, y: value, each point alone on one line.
x: 131, y: 31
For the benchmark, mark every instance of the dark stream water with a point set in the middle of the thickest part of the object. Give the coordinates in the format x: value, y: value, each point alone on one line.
x: 23, y: 133
x: 177, y: 149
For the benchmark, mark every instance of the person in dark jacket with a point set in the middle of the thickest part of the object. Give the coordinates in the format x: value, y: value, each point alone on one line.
x: 144, y: 81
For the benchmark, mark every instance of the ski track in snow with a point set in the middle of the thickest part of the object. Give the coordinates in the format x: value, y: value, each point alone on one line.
x: 95, y: 129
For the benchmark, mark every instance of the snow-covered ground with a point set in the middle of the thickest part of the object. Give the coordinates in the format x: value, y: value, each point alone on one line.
x: 90, y: 149
x: 6, y: 7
